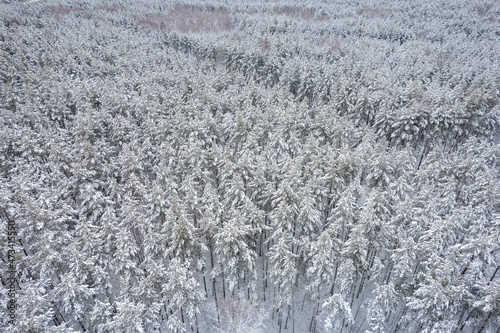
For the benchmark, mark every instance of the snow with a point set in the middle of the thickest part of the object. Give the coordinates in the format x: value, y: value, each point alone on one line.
x: 251, y: 167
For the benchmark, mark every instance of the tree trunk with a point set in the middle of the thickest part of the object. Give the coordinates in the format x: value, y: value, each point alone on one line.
x: 205, y: 285
x: 495, y: 273
x: 223, y: 283
x: 485, y: 322
x: 334, y: 278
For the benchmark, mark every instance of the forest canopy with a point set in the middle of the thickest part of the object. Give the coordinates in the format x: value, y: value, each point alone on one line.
x: 250, y: 166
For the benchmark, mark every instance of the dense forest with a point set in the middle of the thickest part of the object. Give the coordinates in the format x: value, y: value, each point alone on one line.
x: 250, y: 166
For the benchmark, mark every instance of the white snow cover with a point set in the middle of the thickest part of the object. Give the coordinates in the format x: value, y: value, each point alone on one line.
x: 250, y: 166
